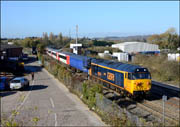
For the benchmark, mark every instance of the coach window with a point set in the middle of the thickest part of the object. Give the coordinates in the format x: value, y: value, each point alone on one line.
x: 54, y: 54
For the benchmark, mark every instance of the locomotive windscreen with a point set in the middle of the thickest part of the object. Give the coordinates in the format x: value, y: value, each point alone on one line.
x: 140, y: 76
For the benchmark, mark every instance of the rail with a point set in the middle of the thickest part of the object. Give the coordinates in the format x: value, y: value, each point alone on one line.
x: 166, y: 89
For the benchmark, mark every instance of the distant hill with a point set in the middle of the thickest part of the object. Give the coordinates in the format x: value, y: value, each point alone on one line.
x: 142, y: 38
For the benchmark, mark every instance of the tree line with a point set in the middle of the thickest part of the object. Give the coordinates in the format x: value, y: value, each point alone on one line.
x: 57, y: 41
x: 167, y: 40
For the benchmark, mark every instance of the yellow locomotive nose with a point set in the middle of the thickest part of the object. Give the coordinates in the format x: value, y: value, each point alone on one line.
x: 142, y: 85
x: 139, y: 84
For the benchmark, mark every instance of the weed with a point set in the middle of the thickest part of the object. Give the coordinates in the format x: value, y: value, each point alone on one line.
x: 22, y: 97
x: 9, y: 123
x: 49, y: 111
x: 35, y: 120
x: 35, y: 108
x: 14, y: 113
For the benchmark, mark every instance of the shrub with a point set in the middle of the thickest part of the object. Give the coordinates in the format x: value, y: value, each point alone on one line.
x: 89, y: 92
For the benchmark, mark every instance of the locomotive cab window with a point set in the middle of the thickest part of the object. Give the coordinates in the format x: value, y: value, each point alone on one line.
x: 129, y: 76
x: 134, y: 76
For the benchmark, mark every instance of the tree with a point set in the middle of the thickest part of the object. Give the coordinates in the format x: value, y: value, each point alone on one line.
x: 27, y: 42
x: 168, y: 39
x: 59, y: 41
x: 65, y: 40
x: 52, y: 37
x: 102, y: 43
x: 40, y: 48
x: 45, y: 38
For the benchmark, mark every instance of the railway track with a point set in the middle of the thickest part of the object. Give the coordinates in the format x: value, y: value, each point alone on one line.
x: 165, y: 89
x: 170, y: 117
x: 153, y: 107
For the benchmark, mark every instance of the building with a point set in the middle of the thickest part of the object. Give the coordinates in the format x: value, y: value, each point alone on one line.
x: 122, y: 56
x: 76, y: 48
x: 137, y: 47
x: 174, y: 57
x: 10, y: 57
x: 105, y: 54
x: 10, y: 51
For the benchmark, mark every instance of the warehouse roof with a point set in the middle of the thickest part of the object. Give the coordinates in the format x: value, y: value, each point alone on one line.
x: 6, y: 46
x: 128, y: 43
x: 118, y: 65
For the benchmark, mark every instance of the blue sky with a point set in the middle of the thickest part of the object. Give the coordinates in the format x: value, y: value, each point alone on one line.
x: 95, y: 19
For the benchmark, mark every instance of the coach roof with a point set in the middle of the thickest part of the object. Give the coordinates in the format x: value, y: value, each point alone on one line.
x: 76, y: 56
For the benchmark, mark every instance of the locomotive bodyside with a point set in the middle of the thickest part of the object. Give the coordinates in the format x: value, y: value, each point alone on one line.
x: 131, y: 78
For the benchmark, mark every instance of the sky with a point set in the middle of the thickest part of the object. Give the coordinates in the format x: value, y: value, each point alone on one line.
x: 21, y: 19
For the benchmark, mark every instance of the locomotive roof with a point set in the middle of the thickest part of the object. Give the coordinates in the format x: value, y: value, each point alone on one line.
x: 118, y: 65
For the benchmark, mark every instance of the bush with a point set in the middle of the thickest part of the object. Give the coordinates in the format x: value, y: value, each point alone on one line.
x: 89, y: 92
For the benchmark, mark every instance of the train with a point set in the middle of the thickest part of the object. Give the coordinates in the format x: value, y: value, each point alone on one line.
x: 133, y: 80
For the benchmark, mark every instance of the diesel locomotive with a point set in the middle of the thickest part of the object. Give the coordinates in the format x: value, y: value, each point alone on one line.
x: 131, y: 79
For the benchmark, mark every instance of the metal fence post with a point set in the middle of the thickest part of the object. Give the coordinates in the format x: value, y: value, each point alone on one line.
x: 164, y: 98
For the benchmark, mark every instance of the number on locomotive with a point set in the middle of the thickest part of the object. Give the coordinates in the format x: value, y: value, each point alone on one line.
x: 110, y: 76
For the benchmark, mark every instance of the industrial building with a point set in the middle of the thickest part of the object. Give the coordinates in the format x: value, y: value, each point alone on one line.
x: 10, y: 51
x: 174, y: 56
x: 121, y: 56
x: 76, y: 48
x: 137, y: 47
x: 10, y: 57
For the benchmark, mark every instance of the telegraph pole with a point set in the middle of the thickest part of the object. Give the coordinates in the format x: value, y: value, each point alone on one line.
x: 76, y: 33
x: 76, y: 38
x: 70, y: 34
